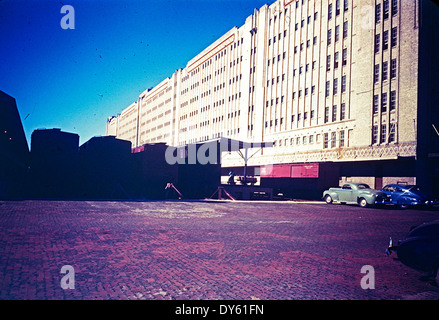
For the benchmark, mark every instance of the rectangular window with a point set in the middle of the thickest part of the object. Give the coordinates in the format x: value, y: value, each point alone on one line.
x: 343, y: 84
x: 335, y: 86
x: 375, y: 134
x: 346, y: 5
x: 343, y: 112
x: 345, y: 30
x: 336, y: 60
x: 377, y: 43
x: 384, y: 102
x: 383, y: 133
x: 334, y: 113
x: 337, y: 33
x: 326, y: 141
x: 392, y: 100
x: 329, y: 36
x: 385, y: 71
x: 386, y: 9
x: 386, y: 40
x: 333, y: 139
x: 392, y: 131
x: 345, y: 57
x: 376, y: 103
x: 328, y: 63
x: 394, y: 40
x: 330, y: 11
x: 341, y: 138
x: 337, y: 7
x: 328, y: 86
x: 394, y: 7
x: 326, y: 114
x: 393, y: 69
x: 378, y: 13
x: 376, y: 77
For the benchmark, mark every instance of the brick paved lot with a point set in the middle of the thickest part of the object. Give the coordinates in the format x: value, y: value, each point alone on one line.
x: 204, y: 250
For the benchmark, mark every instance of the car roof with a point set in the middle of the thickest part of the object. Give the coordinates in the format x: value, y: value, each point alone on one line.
x: 403, y: 186
x: 355, y: 183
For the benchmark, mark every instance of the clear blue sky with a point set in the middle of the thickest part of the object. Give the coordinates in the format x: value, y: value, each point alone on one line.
x: 75, y: 79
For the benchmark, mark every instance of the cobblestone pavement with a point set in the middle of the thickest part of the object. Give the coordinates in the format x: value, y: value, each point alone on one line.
x: 204, y: 250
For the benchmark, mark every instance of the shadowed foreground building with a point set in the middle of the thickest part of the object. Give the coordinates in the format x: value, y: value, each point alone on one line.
x: 14, y: 150
x: 347, y: 91
x: 105, y: 168
x: 54, y: 163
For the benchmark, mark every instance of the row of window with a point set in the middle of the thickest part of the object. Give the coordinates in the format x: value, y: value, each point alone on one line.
x: 335, y: 113
x: 384, y: 102
x: 336, y: 59
x: 385, y: 136
x: 393, y: 40
x: 338, y: 114
x: 335, y: 86
x: 337, y: 8
x: 330, y: 141
x: 337, y: 33
x: 385, y: 71
x: 386, y: 10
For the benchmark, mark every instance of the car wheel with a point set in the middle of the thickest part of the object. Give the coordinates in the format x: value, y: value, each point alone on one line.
x: 363, y: 203
x: 328, y: 199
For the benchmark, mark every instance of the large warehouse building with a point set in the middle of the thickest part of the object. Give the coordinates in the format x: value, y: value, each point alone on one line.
x: 347, y: 90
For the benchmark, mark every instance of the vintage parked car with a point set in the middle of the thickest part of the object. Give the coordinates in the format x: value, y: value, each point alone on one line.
x: 407, y: 195
x: 359, y: 193
x: 420, y: 249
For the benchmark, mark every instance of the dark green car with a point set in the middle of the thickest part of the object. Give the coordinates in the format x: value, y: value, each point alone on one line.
x: 359, y: 193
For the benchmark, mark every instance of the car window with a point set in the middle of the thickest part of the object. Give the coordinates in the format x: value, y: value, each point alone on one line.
x: 363, y: 186
x: 398, y: 189
x: 347, y: 186
x: 388, y: 188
